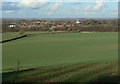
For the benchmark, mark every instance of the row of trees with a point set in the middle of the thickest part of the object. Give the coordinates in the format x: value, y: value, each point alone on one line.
x: 96, y: 29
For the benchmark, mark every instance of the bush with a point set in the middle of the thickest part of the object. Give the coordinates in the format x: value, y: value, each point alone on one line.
x: 21, y: 32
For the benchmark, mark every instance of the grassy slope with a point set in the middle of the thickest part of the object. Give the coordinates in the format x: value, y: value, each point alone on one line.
x: 10, y: 35
x: 45, y: 50
x: 95, y: 55
x: 33, y: 32
x: 90, y: 72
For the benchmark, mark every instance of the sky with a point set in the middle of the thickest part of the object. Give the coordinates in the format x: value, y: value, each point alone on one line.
x: 60, y: 9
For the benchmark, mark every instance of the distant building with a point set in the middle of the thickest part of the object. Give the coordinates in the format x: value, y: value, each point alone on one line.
x: 12, y: 25
x: 22, y: 26
x: 72, y: 25
x: 60, y: 26
x: 67, y: 25
x: 53, y: 26
x: 78, y: 22
x: 29, y: 25
x: 38, y: 23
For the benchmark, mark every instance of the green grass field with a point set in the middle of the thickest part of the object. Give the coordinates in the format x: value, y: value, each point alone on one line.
x: 73, y: 57
x: 9, y: 35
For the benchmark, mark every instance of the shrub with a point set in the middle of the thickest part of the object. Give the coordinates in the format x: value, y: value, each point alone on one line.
x: 21, y: 32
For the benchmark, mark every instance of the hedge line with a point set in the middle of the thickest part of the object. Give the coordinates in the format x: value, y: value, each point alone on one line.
x: 13, y: 39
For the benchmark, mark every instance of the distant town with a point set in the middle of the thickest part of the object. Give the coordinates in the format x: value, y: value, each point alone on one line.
x: 77, y: 25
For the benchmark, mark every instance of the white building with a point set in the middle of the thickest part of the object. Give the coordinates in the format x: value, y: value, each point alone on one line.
x: 12, y: 25
x: 77, y: 21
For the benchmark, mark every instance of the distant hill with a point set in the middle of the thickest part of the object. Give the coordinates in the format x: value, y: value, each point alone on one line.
x: 13, y: 19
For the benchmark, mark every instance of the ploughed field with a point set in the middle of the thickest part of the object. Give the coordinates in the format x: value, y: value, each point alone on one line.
x: 71, y: 57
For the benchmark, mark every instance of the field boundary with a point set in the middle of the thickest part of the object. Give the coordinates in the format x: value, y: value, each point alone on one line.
x: 13, y: 39
x: 50, y: 33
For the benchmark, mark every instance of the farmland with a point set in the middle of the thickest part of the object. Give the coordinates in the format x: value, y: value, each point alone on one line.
x: 71, y: 57
x: 9, y: 35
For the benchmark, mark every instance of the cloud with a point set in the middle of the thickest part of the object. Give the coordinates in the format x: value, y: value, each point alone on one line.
x: 9, y: 11
x: 50, y: 13
x: 115, y: 13
x: 32, y: 4
x: 77, y: 8
x: 89, y: 13
x: 86, y: 13
x: 88, y: 8
x: 56, y: 6
x: 93, y: 9
x: 99, y: 4
x: 12, y: 4
x: 9, y: 6
x: 76, y: 3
